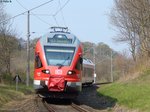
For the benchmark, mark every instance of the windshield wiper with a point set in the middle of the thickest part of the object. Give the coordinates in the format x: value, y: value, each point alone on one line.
x: 62, y: 64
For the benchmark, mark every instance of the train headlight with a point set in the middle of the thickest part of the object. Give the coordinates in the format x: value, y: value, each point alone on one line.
x: 70, y: 72
x: 46, y: 71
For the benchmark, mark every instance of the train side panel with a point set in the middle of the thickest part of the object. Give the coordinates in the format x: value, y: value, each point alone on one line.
x: 88, y: 72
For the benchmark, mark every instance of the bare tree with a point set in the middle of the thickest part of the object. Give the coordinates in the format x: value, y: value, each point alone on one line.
x: 132, y: 19
x: 8, y: 42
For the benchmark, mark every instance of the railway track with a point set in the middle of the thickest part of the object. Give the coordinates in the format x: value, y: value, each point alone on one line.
x: 48, y: 107
x: 79, y: 108
x: 43, y: 106
x: 40, y: 106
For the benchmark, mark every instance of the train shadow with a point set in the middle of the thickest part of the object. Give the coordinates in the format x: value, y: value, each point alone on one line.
x: 91, y: 98
x: 57, y: 101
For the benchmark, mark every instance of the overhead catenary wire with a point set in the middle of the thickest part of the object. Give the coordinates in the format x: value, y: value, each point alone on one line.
x: 61, y: 8
x: 33, y: 13
x: 55, y: 20
x: 26, y: 11
x: 21, y: 4
x: 53, y: 15
x: 42, y: 14
x: 62, y: 13
x: 41, y: 5
x: 13, y: 17
x: 42, y: 20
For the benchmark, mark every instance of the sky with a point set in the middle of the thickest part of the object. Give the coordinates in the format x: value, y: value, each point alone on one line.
x: 87, y: 19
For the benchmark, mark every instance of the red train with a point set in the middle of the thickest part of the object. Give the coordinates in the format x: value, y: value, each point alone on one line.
x: 59, y: 64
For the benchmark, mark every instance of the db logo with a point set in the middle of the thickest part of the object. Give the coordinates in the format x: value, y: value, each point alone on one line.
x: 59, y: 72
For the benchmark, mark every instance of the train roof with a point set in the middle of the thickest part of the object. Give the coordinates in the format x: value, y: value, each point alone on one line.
x: 59, y: 36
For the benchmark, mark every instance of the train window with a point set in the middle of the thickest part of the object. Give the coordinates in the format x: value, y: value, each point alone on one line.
x: 88, y: 72
x: 60, y: 38
x: 38, y: 63
x: 59, y: 55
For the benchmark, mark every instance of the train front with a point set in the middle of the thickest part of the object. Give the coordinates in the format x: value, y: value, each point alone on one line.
x: 58, y: 65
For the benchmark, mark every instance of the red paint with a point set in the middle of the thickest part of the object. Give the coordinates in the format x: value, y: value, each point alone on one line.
x: 57, y: 77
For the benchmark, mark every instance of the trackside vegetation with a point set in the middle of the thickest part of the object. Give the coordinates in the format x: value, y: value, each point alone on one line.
x: 9, y: 93
x: 133, y: 94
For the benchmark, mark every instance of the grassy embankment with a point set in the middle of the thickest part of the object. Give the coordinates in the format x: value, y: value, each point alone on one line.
x: 8, y: 93
x: 134, y: 94
x: 8, y: 90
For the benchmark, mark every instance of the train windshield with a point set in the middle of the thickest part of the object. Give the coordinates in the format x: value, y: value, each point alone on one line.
x: 59, y: 56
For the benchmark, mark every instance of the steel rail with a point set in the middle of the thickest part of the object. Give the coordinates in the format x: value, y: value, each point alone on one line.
x: 48, y: 106
x: 79, y: 108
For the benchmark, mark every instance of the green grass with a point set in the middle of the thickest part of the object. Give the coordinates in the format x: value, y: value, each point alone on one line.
x: 133, y: 94
x: 8, y: 93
